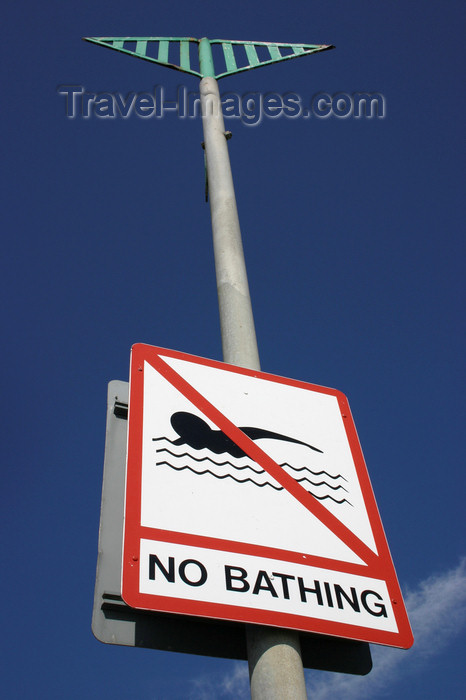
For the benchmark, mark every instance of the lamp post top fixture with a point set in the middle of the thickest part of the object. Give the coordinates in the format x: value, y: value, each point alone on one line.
x: 230, y: 56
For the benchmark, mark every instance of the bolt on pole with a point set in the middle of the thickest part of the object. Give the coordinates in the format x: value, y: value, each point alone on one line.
x: 274, y: 655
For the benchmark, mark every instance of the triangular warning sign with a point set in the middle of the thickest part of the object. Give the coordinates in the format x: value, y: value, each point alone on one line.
x: 236, y: 479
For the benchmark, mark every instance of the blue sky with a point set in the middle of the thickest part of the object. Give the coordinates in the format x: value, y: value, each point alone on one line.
x: 353, y: 235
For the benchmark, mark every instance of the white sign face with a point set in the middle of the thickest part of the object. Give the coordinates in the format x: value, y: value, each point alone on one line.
x: 248, y: 499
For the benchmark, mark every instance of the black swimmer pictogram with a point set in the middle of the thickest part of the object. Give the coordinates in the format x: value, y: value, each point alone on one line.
x: 195, y: 432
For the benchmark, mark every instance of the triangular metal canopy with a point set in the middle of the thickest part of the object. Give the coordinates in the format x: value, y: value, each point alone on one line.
x: 235, y: 56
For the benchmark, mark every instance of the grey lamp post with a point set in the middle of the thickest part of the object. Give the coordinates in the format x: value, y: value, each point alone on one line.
x: 275, y: 665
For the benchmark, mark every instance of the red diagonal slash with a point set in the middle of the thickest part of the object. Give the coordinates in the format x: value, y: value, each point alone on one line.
x: 266, y: 462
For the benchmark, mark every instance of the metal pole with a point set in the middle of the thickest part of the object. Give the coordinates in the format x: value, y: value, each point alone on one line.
x: 236, y: 319
x: 274, y: 656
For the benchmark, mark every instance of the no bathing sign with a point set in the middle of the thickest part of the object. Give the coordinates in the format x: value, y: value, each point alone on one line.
x: 247, y: 499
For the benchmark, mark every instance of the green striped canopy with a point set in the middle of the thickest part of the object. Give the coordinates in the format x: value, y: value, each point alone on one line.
x: 230, y: 56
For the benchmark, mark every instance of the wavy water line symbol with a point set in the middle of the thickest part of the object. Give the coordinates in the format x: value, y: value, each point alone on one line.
x: 207, y: 459
x: 257, y: 471
x: 322, y: 471
x: 241, y: 467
